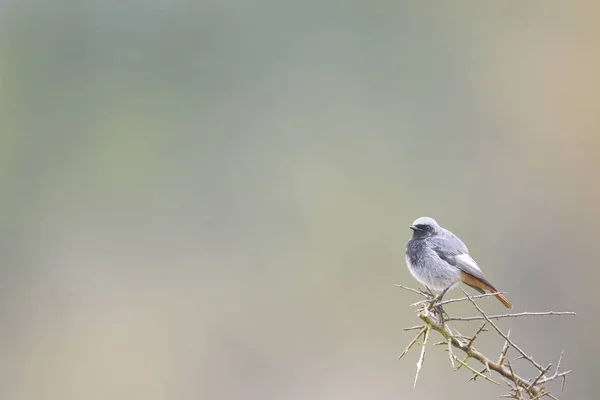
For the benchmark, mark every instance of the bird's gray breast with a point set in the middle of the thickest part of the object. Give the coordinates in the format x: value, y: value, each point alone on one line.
x: 415, y: 251
x: 427, y: 267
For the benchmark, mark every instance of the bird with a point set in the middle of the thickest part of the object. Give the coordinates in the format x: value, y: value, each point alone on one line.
x: 439, y: 260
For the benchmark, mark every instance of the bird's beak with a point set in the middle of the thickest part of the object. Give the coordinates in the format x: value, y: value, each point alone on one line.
x: 414, y: 228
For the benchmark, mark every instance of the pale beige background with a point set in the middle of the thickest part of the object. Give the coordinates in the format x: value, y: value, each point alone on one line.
x: 210, y: 200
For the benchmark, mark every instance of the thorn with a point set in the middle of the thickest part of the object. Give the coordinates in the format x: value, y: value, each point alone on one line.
x: 422, y: 357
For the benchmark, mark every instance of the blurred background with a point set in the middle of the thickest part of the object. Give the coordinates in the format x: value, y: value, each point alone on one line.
x: 210, y: 200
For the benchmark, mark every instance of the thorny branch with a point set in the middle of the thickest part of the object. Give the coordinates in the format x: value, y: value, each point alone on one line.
x: 431, y: 314
x: 529, y: 358
x: 523, y: 314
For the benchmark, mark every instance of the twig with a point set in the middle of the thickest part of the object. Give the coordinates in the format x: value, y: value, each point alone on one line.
x: 504, y: 350
x: 476, y: 333
x: 414, y: 290
x: 475, y: 371
x: 413, y: 328
x: 564, y: 377
x: 429, y: 314
x: 451, y: 355
x: 502, y: 353
x: 411, y: 344
x: 516, y: 381
x: 531, y: 360
x: 561, y: 375
x: 422, y: 357
x: 542, y: 394
x: 470, y: 351
x: 540, y: 375
x: 474, y: 377
x: 523, y: 314
x: 479, y: 296
x: 464, y: 361
x: 557, y: 374
x: 458, y: 334
x: 559, y: 360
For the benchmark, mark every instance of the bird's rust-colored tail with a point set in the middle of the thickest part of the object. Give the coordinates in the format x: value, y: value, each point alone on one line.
x: 482, y: 284
x: 503, y: 300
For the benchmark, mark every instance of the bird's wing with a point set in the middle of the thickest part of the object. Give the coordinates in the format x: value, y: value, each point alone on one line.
x: 454, y: 240
x: 452, y: 250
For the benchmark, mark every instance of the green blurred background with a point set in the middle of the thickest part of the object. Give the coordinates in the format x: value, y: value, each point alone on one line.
x: 210, y: 200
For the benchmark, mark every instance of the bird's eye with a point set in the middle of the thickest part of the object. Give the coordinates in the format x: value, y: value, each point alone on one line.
x: 427, y: 227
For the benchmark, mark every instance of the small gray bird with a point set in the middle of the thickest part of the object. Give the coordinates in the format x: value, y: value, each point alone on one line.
x: 438, y: 259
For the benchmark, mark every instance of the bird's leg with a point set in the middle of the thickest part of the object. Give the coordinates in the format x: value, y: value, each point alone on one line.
x: 438, y: 299
x: 429, y: 292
